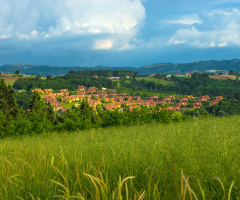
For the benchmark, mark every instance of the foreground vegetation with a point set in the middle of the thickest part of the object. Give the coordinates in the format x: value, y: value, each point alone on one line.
x: 139, y: 162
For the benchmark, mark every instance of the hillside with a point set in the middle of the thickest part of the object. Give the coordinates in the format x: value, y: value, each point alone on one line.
x: 157, y: 81
x: 168, y: 68
x: 93, y: 163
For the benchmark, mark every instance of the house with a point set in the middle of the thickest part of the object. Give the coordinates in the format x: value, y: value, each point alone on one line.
x: 64, y: 92
x: 189, y: 97
x: 131, y: 108
x: 173, y: 108
x: 112, y: 106
x: 153, y: 75
x: 215, y: 100
x: 188, y: 74
x: 203, y: 98
x: 81, y: 89
x: 153, y: 97
x: 39, y: 90
x: 196, y: 105
x: 48, y: 91
x: 136, y: 97
x: 111, y: 91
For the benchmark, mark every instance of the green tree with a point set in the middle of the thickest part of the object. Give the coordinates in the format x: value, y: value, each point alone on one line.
x: 84, y: 107
x: 8, y: 105
x: 37, y: 104
x: 7, y: 100
x: 41, y: 117
x: 17, y: 72
x: 110, y: 73
x: 49, y: 77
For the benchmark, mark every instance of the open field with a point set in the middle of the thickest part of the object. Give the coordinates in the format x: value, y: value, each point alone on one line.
x: 10, y: 80
x: 220, y: 77
x: 233, y: 77
x: 156, y: 80
x: 92, y: 164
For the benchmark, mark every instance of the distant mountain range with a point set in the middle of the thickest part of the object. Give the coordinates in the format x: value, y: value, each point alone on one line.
x: 161, y: 68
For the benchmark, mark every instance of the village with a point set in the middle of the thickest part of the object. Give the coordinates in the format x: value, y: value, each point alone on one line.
x: 111, y: 100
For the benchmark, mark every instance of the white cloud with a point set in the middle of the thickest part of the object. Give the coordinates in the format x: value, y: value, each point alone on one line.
x: 188, y: 20
x: 226, y: 12
x: 104, y: 44
x: 28, y: 19
x: 224, y: 44
x: 212, y: 44
x: 224, y: 31
x: 175, y: 42
x: 5, y: 36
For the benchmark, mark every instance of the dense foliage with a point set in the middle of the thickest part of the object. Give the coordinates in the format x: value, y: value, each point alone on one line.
x: 105, y: 73
x: 69, y: 81
x: 197, y: 85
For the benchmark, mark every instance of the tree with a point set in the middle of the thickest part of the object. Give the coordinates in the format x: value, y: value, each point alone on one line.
x: 7, y: 100
x: 84, y: 107
x: 49, y: 77
x: 8, y: 106
x: 17, y: 72
x: 37, y: 104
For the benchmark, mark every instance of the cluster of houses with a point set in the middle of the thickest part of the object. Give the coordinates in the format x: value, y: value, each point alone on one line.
x: 112, y: 100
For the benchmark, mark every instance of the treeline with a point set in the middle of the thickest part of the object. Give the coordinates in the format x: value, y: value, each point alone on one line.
x: 73, y: 79
x: 69, y: 81
x: 105, y: 73
x: 199, y: 84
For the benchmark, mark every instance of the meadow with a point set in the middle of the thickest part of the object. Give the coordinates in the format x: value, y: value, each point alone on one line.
x: 197, y: 159
x: 11, y: 78
x: 157, y: 80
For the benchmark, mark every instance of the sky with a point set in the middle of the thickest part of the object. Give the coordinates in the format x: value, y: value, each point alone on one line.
x: 118, y: 33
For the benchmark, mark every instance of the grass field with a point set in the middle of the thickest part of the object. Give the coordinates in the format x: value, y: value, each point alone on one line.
x: 173, y: 161
x: 233, y: 77
x: 11, y: 78
x: 156, y: 80
x: 220, y: 77
x: 223, y: 77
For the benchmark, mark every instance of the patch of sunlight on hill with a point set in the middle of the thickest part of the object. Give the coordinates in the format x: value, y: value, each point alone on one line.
x: 156, y: 80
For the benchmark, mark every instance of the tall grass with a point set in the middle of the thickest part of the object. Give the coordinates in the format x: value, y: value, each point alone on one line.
x: 188, y: 160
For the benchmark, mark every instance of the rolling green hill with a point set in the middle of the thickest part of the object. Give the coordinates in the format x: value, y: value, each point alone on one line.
x: 156, y: 80
x: 168, y: 68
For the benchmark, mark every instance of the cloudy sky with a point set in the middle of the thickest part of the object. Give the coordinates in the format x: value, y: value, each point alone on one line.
x: 118, y: 32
